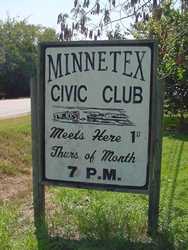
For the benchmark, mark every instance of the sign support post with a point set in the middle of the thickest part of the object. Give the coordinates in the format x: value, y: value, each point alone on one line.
x: 156, y: 151
x: 38, y: 187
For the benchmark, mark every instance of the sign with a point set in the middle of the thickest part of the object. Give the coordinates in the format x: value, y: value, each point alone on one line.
x: 97, y: 113
x: 97, y: 121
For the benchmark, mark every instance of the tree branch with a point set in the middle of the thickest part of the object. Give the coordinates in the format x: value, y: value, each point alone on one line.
x: 125, y: 17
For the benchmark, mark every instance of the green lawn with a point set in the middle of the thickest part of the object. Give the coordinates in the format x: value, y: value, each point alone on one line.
x: 95, y: 220
x: 15, y: 146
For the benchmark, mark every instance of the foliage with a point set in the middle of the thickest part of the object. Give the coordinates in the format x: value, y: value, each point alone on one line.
x: 6, y: 219
x: 18, y: 54
x: 10, y: 224
x: 171, y: 31
x: 88, y: 19
x: 15, y: 146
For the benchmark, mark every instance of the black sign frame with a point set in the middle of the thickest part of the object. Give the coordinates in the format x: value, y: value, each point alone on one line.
x: 155, y: 137
x: 144, y: 43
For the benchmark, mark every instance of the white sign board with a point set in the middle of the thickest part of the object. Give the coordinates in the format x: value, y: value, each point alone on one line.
x: 97, y: 113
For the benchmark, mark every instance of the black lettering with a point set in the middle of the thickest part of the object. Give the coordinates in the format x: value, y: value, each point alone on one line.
x: 98, y: 134
x: 132, y: 158
x: 62, y: 93
x: 101, y: 136
x: 124, y: 95
x: 55, y: 150
x: 67, y: 64
x: 56, y: 69
x: 127, y: 61
x: 68, y: 91
x: 90, y: 172
x: 115, y: 53
x: 56, y: 132
x: 72, y: 170
x: 104, y: 94
x: 77, y: 62
x: 90, y: 60
x: 109, y: 174
x: 107, y: 155
x: 111, y: 156
x: 102, y: 60
x: 137, y: 95
x: 54, y: 97
x: 139, y: 68
x: 60, y: 133
x: 81, y: 98
x: 115, y: 96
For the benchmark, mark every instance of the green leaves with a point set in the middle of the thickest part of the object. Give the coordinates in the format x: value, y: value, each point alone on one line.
x: 18, y: 54
x: 171, y: 31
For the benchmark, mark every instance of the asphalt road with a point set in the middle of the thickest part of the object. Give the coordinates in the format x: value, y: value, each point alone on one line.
x: 14, y: 107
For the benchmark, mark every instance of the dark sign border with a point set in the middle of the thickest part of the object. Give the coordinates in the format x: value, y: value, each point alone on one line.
x: 41, y: 114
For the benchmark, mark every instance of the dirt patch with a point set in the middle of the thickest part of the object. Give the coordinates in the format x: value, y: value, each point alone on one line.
x: 14, y: 186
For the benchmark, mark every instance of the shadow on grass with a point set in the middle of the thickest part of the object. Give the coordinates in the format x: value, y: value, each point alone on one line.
x: 173, y: 171
x: 176, y: 135
x: 174, y: 182
x: 174, y: 165
x: 161, y: 242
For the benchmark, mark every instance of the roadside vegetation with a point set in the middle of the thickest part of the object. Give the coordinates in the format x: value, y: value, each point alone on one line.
x: 91, y: 220
x: 19, y: 55
x: 15, y: 146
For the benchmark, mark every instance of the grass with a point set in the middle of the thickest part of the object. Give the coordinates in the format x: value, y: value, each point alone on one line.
x: 6, y: 218
x: 96, y: 220
x: 15, y: 234
x: 174, y: 123
x: 15, y: 146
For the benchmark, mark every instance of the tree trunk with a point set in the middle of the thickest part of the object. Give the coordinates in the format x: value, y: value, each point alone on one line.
x: 184, y: 6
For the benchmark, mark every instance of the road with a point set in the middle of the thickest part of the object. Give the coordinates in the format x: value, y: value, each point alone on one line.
x: 14, y: 107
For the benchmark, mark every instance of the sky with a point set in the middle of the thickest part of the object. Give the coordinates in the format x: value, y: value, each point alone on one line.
x: 42, y: 12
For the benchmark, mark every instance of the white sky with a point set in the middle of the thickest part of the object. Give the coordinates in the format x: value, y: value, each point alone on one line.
x: 42, y: 12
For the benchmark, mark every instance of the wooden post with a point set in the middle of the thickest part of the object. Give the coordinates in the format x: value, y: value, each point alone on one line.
x: 156, y: 149
x: 38, y: 187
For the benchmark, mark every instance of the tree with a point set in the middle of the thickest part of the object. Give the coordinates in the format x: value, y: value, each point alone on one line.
x: 18, y: 54
x: 184, y: 6
x: 171, y: 31
x: 90, y: 18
